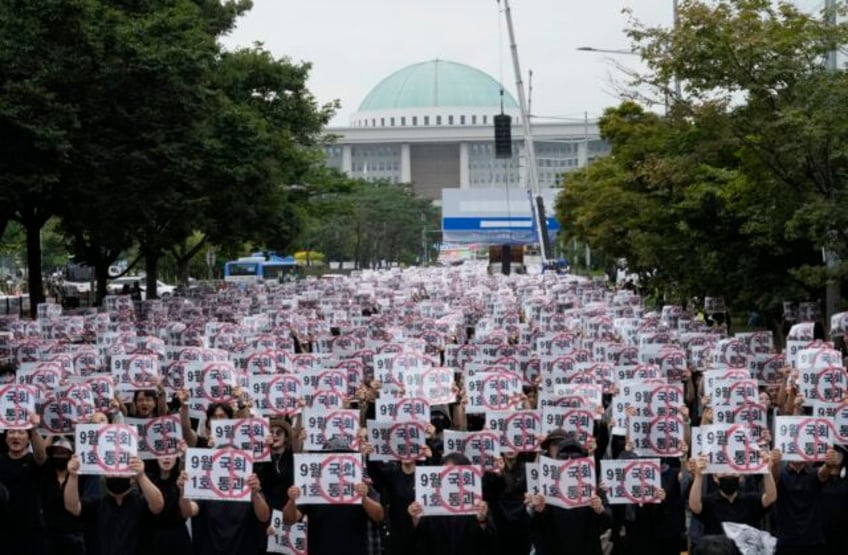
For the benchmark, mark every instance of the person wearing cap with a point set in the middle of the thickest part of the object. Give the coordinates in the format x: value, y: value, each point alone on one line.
x: 334, y: 529
x: 23, y: 473
x: 117, y: 519
x: 556, y: 530
x: 65, y: 532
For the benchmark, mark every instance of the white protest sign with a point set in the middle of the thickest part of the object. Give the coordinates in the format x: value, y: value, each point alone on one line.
x: 397, y: 441
x: 106, y: 448
x: 158, y: 437
x: 325, y: 388
x: 405, y: 408
x: 135, y: 372
x: 656, y: 436
x: 754, y: 415
x: 580, y: 422
x: 635, y: 481
x: 277, y: 394
x: 328, y: 479
x: 827, y: 383
x: 245, y: 434
x: 286, y: 539
x: 209, y: 382
x: 218, y: 474
x: 17, y: 406
x: 323, y: 425
x: 520, y: 431
x: 434, y: 384
x: 838, y: 415
x: 567, y: 484
x: 489, y: 391
x: 531, y: 475
x: 731, y: 449
x: 448, y: 490
x: 480, y: 447
x: 801, y: 438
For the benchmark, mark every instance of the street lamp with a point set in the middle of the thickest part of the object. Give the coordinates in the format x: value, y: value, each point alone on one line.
x: 607, y: 50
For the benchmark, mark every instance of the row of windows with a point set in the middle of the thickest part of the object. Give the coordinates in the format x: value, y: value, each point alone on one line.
x: 437, y: 120
x: 374, y: 166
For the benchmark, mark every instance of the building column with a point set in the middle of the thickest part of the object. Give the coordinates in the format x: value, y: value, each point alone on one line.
x: 405, y: 164
x: 464, y: 168
x: 582, y: 154
x: 347, y: 160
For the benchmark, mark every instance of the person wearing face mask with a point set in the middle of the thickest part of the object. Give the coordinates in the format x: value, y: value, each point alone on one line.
x: 23, y: 473
x: 728, y: 504
x: 798, y: 519
x: 168, y: 532
x: 65, y: 532
x: 117, y: 518
x: 557, y: 530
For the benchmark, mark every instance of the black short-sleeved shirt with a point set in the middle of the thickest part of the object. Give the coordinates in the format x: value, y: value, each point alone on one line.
x: 227, y: 528
x: 116, y: 529
x: 335, y: 529
x: 797, y: 512
x: 23, y: 479
x: 276, y: 477
x: 59, y: 521
x: 746, y: 508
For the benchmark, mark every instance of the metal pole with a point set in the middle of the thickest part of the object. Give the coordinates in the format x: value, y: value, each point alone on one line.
x: 533, y: 182
x: 833, y: 290
x: 677, y: 94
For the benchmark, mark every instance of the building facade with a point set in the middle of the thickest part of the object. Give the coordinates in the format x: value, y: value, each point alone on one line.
x: 430, y: 124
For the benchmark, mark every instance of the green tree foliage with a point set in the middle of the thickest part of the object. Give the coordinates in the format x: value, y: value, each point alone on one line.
x: 367, y: 222
x: 129, y: 121
x: 738, y: 187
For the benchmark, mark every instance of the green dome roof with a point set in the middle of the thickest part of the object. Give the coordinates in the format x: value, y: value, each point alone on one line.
x: 436, y: 83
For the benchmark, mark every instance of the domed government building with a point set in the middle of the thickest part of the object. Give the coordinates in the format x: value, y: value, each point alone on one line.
x: 430, y: 124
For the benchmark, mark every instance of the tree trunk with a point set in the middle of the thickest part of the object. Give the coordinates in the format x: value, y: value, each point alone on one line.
x: 101, y: 274
x: 151, y: 266
x: 33, y: 243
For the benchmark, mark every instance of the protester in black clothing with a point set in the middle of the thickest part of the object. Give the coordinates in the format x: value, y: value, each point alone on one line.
x: 728, y: 504
x: 505, y: 491
x: 65, y: 532
x: 168, y: 532
x: 333, y: 529
x: 834, y: 505
x: 23, y: 473
x: 655, y: 528
x: 453, y: 535
x: 555, y: 530
x: 117, y: 518
x: 799, y: 525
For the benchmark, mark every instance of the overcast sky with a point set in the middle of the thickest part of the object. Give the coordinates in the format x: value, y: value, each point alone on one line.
x: 353, y: 44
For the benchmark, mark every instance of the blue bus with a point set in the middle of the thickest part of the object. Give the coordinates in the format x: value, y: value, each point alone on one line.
x: 258, y: 268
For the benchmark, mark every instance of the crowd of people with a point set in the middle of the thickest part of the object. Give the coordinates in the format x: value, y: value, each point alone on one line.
x: 47, y: 506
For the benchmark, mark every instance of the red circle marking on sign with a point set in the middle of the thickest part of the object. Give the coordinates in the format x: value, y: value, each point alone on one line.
x: 118, y: 428
x: 751, y: 423
x: 165, y: 436
x: 411, y: 401
x: 669, y: 450
x: 534, y: 446
x: 341, y: 460
x: 407, y: 441
x: 481, y: 452
x: 343, y: 432
x: 745, y: 397
x: 462, y: 508
x: 289, y: 403
x: 580, y: 484
x: 220, y: 379
x: 816, y: 439
x: 836, y: 371
x: 748, y: 450
x: 233, y: 453
x: 440, y: 390
x: 665, y: 408
x: 11, y: 425
x: 642, y: 483
x: 498, y: 391
x: 264, y: 360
